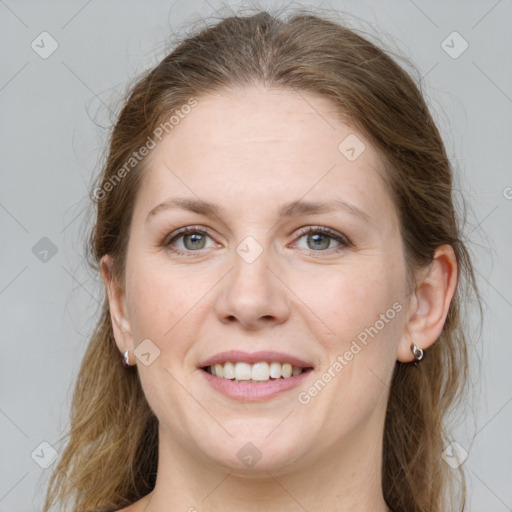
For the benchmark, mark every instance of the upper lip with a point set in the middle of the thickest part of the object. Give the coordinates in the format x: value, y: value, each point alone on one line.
x: 236, y: 356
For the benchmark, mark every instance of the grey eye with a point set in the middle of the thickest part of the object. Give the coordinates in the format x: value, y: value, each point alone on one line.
x: 318, y: 241
x: 194, y: 241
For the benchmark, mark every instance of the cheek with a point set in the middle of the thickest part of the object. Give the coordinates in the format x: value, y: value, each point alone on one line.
x: 364, y: 307
x: 359, y: 304
x: 164, y: 307
x: 356, y: 293
x: 158, y: 299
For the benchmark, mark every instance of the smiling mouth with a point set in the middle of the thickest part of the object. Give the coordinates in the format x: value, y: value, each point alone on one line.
x: 253, y: 373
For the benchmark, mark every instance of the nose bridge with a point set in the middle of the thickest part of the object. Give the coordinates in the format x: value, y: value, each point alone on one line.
x: 251, y: 268
x: 252, y: 294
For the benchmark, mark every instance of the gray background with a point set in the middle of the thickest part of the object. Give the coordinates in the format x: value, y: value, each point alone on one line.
x: 55, y: 116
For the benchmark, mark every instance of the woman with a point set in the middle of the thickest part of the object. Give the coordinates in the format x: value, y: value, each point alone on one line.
x: 283, y: 277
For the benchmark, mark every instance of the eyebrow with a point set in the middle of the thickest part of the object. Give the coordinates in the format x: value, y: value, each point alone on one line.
x: 291, y: 209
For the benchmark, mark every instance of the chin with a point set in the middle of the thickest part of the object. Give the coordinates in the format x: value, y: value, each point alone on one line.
x: 252, y: 450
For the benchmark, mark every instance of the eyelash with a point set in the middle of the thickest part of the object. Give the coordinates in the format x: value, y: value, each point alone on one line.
x: 343, y: 240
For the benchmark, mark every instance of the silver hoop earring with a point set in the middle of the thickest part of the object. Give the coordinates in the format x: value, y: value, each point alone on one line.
x: 126, y: 359
x: 417, y: 352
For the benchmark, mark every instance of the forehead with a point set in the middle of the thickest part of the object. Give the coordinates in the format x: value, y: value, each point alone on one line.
x: 232, y: 122
x: 253, y: 144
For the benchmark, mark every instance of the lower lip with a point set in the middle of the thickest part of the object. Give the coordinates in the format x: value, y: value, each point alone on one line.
x: 254, y: 392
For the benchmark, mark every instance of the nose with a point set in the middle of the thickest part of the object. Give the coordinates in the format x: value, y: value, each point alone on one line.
x: 253, y: 295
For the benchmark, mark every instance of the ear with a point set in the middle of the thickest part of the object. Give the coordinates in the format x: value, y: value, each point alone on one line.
x: 429, y: 303
x: 117, y: 306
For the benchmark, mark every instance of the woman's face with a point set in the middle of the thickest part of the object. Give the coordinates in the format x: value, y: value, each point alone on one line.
x: 293, y: 252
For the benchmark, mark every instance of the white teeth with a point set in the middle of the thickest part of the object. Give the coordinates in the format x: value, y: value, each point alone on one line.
x: 219, y: 370
x: 243, y: 371
x: 275, y: 370
x: 258, y: 372
x: 229, y: 370
x: 286, y: 371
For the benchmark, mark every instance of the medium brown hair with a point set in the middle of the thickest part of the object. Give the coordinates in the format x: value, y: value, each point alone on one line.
x: 111, y: 456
